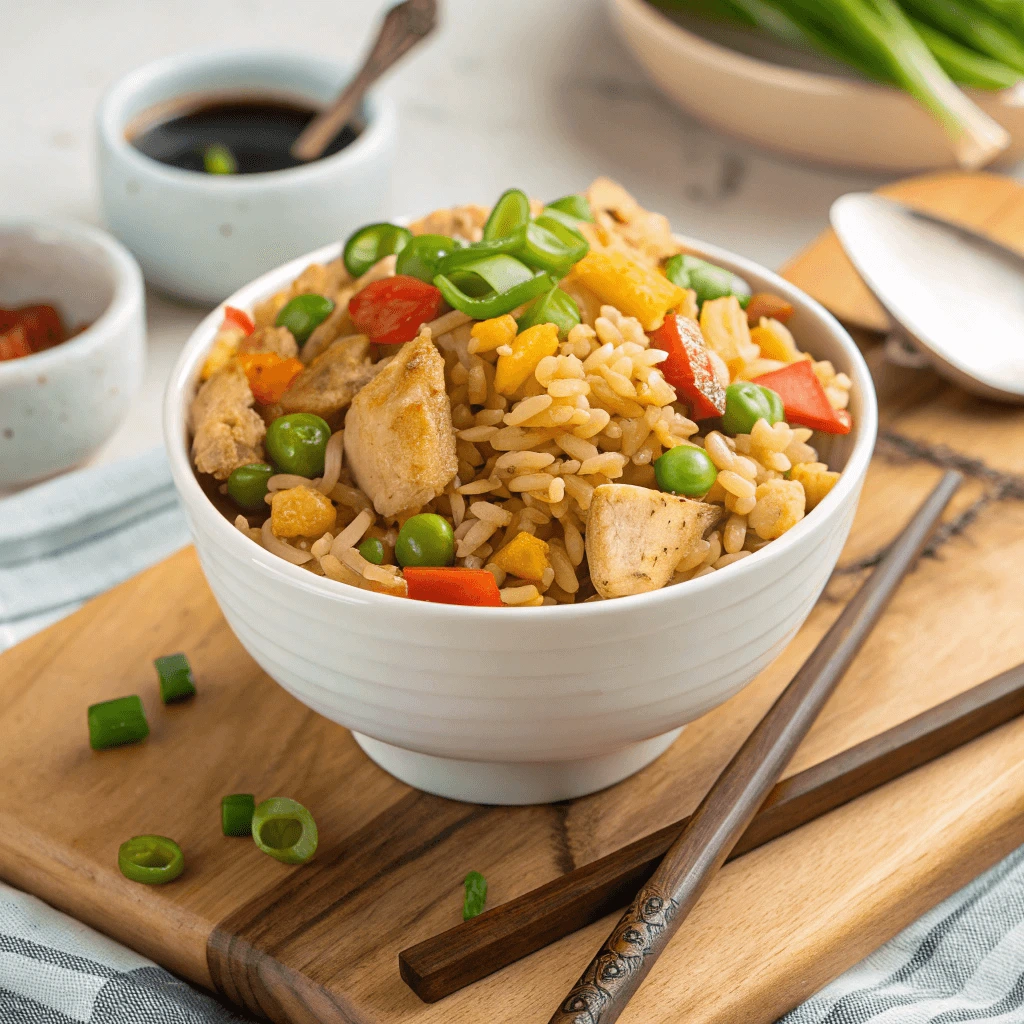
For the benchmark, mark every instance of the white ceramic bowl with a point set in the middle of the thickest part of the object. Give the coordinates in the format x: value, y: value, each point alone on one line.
x: 58, y: 406
x: 827, y: 118
x: 527, y: 705
x: 201, y: 236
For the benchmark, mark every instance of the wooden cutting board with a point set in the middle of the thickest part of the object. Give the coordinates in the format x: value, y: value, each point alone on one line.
x: 320, y: 942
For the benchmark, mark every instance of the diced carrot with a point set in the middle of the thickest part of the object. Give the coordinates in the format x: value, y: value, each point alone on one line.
x: 688, y: 367
x: 269, y: 374
x: 453, y: 585
x: 774, y: 307
x: 239, y: 318
x: 804, y: 398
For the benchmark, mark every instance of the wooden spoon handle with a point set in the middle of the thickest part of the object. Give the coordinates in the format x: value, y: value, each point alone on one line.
x: 629, y: 952
x: 404, y: 26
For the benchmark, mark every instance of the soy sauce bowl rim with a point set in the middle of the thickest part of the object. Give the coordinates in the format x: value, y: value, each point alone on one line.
x: 111, y: 119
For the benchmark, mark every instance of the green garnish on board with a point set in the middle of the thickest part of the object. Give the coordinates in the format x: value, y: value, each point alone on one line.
x: 175, y: 675
x: 113, y: 723
x: 476, y: 895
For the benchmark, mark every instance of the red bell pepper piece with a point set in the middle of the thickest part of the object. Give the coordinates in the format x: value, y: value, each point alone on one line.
x: 804, y: 398
x: 688, y: 367
x: 14, y: 344
x: 234, y: 317
x: 453, y: 585
x: 391, y: 310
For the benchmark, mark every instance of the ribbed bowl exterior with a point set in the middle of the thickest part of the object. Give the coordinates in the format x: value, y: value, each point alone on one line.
x: 535, y: 684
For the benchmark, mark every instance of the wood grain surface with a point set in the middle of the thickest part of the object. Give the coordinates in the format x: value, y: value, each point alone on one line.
x: 320, y: 942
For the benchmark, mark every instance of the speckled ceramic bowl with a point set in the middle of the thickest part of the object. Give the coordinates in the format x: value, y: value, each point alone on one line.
x: 526, y: 705
x: 58, y: 406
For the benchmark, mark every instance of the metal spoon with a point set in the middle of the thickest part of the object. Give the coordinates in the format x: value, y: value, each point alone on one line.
x: 957, y: 295
x: 403, y: 27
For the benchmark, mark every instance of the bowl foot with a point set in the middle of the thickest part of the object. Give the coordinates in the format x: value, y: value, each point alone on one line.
x: 514, y: 782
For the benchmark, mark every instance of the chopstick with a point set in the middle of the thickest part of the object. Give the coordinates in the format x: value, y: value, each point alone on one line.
x: 710, y: 834
x: 447, y: 962
x: 663, y: 902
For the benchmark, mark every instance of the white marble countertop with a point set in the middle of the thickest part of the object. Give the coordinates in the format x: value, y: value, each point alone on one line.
x: 526, y: 92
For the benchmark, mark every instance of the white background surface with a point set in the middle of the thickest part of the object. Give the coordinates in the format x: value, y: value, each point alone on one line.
x: 534, y: 93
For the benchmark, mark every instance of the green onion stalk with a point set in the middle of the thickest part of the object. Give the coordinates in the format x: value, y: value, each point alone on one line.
x: 878, y: 39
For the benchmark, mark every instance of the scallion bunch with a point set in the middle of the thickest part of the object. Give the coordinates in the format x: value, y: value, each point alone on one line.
x: 930, y: 48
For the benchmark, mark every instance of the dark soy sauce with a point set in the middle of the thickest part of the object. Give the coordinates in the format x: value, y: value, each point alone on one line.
x: 259, y: 132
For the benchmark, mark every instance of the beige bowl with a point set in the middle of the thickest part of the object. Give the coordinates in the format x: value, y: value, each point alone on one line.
x: 804, y: 112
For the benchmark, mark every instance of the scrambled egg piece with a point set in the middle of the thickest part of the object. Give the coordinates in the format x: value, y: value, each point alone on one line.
x: 817, y: 480
x: 301, y: 512
x: 780, y: 506
x: 524, y: 556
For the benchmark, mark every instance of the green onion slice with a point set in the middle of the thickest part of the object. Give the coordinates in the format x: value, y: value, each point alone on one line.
x: 495, y: 304
x: 552, y: 246
x: 285, y: 830
x: 555, y: 307
x: 152, y: 860
x: 175, y: 675
x: 113, y: 723
x: 422, y: 254
x: 372, y: 243
x: 511, y: 211
x: 458, y: 258
x: 236, y: 813
x: 476, y: 895
x: 575, y: 206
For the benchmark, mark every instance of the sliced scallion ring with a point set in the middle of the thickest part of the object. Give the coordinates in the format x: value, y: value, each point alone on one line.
x: 555, y: 307
x: 511, y: 211
x: 575, y: 206
x: 151, y: 860
x: 285, y: 830
x: 372, y: 243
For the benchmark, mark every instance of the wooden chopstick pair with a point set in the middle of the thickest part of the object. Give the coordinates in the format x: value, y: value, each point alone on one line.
x: 691, y: 850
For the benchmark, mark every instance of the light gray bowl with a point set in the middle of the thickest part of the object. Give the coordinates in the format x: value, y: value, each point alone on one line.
x: 58, y: 406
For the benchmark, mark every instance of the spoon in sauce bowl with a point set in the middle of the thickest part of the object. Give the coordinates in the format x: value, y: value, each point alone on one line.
x: 404, y: 26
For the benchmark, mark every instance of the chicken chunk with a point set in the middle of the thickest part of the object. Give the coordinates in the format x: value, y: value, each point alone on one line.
x: 278, y: 340
x: 399, y: 439
x: 636, y: 536
x: 227, y: 432
x: 330, y: 382
x: 459, y: 222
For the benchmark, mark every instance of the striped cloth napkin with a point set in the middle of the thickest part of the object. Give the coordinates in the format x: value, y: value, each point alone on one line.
x: 72, y: 538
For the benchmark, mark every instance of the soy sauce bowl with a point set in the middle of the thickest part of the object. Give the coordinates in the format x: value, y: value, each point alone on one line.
x: 199, y: 236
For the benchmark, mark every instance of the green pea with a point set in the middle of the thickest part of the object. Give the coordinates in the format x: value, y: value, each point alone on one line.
x: 422, y: 254
x: 247, y: 485
x: 426, y: 539
x: 372, y: 550
x: 706, y: 279
x: 296, y: 443
x: 746, y: 403
x: 685, y: 470
x: 303, y: 314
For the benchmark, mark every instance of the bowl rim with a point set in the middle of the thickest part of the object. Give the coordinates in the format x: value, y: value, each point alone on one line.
x: 237, y: 546
x: 110, y: 123
x: 126, y: 299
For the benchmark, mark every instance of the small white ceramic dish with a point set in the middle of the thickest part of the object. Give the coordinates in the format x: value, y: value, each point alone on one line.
x: 515, y: 706
x: 201, y: 236
x: 58, y: 406
x: 794, y: 106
